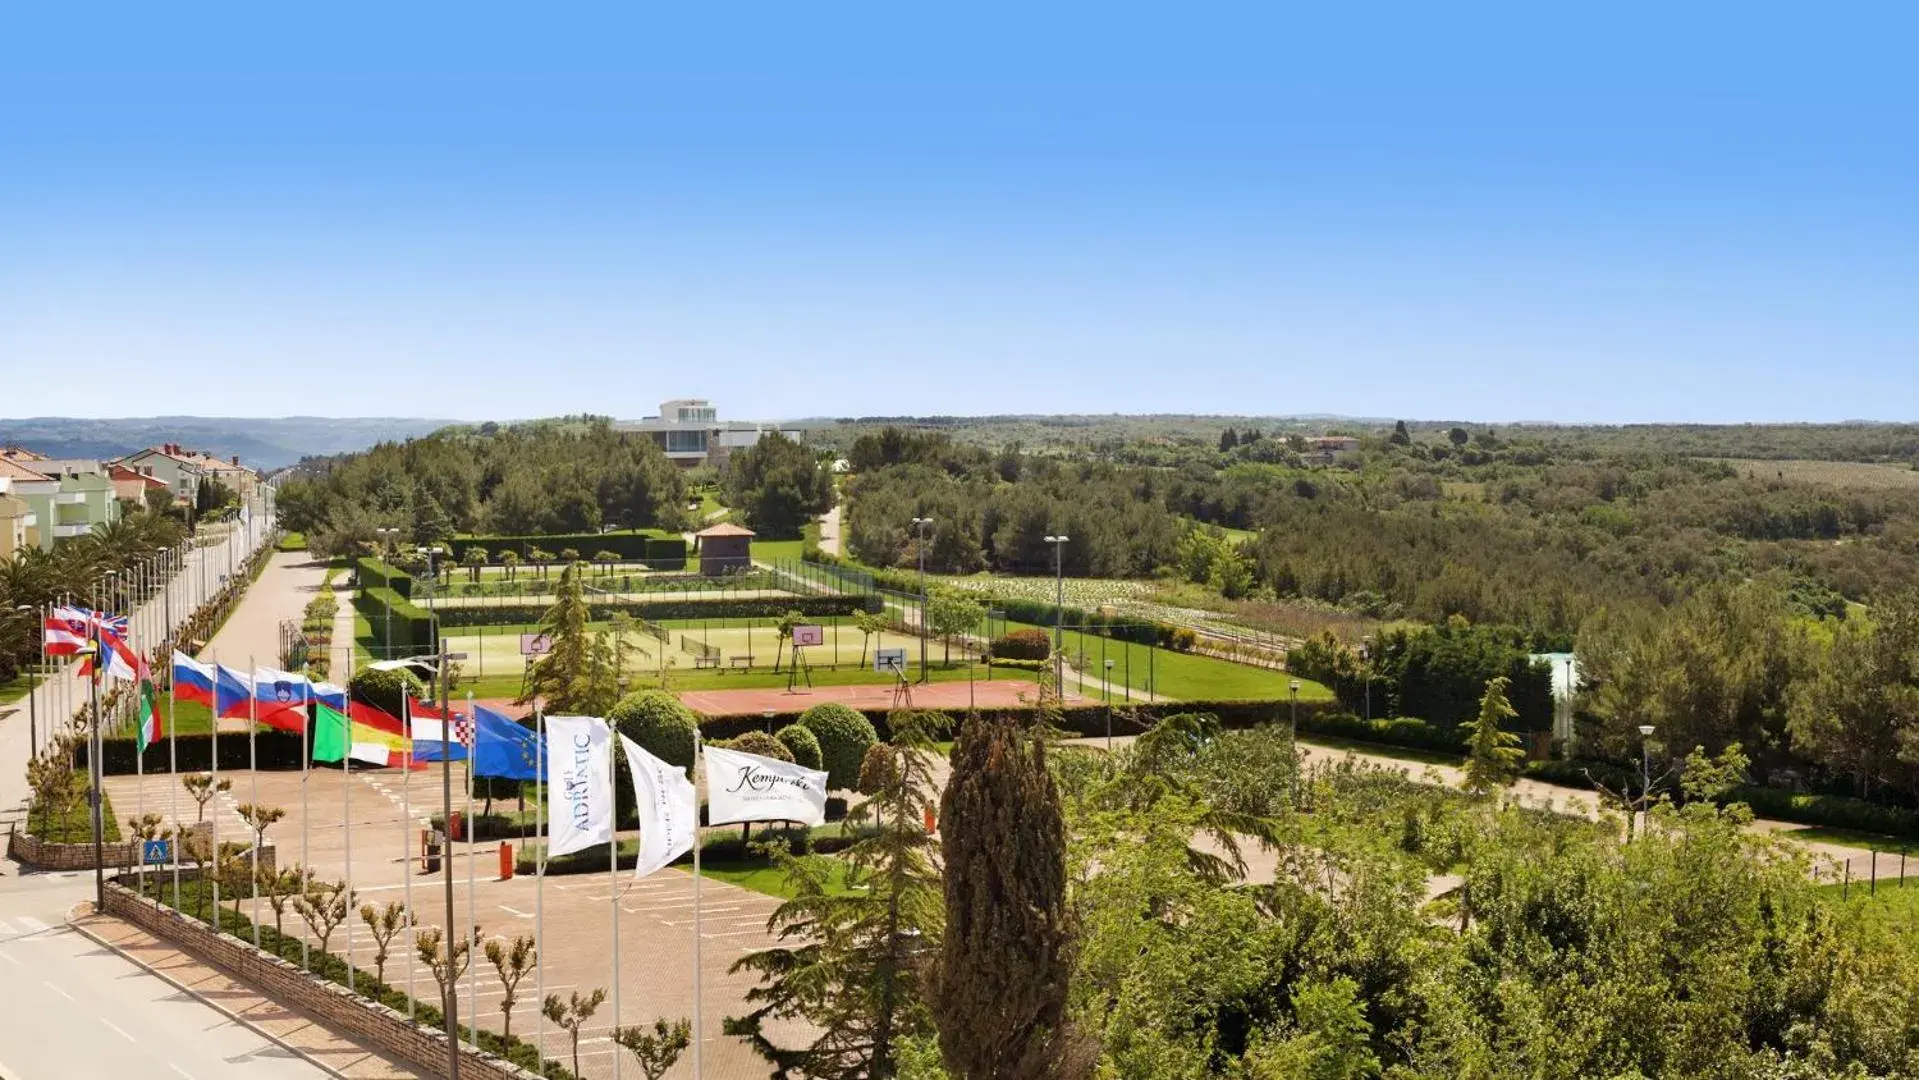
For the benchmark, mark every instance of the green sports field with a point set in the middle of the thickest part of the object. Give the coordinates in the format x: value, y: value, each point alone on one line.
x: 495, y: 650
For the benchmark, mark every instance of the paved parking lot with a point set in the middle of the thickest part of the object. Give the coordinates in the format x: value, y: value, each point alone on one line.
x: 655, y: 914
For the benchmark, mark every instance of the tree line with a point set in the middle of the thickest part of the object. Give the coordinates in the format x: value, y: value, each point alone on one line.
x: 553, y: 476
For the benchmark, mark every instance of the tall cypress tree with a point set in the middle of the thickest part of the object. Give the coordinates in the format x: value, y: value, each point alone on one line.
x: 1000, y: 992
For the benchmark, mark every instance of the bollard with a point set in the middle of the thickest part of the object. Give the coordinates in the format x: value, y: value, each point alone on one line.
x: 506, y: 861
x: 456, y: 825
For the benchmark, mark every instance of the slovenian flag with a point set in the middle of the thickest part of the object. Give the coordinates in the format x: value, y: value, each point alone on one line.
x: 280, y: 699
x: 232, y: 692
x: 192, y: 680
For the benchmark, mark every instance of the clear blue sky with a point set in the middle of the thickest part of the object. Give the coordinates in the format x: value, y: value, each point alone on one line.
x: 1633, y: 212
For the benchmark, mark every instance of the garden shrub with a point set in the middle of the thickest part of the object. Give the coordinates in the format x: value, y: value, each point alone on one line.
x: 1023, y: 645
x: 802, y: 744
x: 844, y: 734
x: 385, y: 689
x: 660, y: 723
x: 758, y: 742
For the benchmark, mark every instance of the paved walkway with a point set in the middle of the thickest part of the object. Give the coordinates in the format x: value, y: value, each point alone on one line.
x: 293, y: 1031
x: 251, y: 635
x: 940, y: 695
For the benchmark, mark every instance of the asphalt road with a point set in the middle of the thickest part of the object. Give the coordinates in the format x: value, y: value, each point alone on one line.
x: 76, y: 1009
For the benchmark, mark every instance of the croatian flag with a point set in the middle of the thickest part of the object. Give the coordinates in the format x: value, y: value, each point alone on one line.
x: 232, y: 692
x: 280, y: 699
x: 192, y: 680
x: 433, y: 740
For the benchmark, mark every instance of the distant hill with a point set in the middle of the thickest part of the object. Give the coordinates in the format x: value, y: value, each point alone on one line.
x: 264, y: 443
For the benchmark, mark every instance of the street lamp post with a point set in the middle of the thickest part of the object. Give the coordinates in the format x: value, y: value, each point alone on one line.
x: 1366, y: 663
x: 450, y: 993
x: 1109, y: 706
x: 33, y: 716
x: 1293, y: 738
x: 1059, y: 613
x: 919, y: 534
x: 1645, y: 774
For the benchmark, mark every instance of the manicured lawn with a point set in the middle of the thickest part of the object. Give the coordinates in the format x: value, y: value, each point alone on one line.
x: 1180, y: 675
x: 508, y: 685
x: 771, y: 551
x: 15, y: 688
x: 764, y: 877
x: 1408, y: 754
x: 1825, y: 834
x: 76, y: 825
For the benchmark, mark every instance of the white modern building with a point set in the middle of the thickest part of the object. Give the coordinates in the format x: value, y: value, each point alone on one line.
x: 690, y: 432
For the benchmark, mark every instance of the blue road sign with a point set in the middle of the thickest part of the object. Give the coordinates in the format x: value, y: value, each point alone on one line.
x: 156, y: 852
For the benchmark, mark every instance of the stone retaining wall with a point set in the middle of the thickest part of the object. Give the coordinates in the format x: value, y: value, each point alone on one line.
x: 120, y: 855
x: 374, y: 1024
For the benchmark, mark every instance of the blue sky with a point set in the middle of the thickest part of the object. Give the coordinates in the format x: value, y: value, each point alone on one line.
x: 1635, y: 212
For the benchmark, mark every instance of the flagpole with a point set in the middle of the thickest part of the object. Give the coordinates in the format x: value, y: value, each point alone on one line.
x: 697, y: 931
x: 173, y: 770
x: 140, y: 791
x: 613, y: 887
x: 306, y: 816
x: 539, y: 871
x: 346, y: 815
x: 466, y: 827
x: 213, y: 795
x: 406, y: 827
x: 253, y: 765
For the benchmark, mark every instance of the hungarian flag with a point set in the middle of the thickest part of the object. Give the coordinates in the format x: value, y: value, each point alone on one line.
x: 337, y: 736
x: 149, y: 717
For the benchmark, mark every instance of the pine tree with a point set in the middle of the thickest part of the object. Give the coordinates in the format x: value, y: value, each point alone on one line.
x: 859, y: 979
x: 1493, y: 753
x: 1000, y: 996
x: 568, y: 677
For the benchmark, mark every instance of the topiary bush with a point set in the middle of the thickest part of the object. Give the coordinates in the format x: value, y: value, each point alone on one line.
x: 384, y: 689
x: 757, y: 742
x: 843, y: 734
x: 802, y: 744
x: 660, y: 723
x: 1022, y: 645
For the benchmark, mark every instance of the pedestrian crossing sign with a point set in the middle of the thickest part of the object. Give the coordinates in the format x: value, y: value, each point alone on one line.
x: 156, y: 852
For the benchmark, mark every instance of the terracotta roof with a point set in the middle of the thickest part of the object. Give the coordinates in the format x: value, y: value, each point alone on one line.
x: 13, y: 470
x: 121, y: 472
x: 725, y: 528
x: 21, y: 453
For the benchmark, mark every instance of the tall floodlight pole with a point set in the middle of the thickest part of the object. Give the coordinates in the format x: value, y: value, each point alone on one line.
x: 1059, y: 613
x: 920, y: 525
x: 452, y: 1003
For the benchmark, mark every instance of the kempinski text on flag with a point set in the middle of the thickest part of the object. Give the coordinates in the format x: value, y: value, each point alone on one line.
x: 748, y: 787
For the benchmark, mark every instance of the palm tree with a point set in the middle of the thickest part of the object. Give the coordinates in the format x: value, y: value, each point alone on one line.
x: 475, y: 558
x: 511, y: 560
x: 541, y: 557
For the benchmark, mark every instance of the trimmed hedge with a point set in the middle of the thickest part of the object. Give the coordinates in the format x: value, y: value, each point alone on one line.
x: 1022, y: 645
x: 378, y: 574
x: 844, y: 735
x: 1399, y: 731
x: 659, y: 549
x: 391, y: 616
x: 803, y: 745
x: 771, y: 607
x: 825, y: 840
x: 277, y: 750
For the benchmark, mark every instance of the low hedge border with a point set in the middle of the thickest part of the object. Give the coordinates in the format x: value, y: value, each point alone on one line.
x: 824, y: 840
x: 771, y: 607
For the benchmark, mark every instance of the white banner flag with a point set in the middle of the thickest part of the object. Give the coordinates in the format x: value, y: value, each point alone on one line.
x: 668, y: 806
x: 748, y: 787
x: 580, y: 777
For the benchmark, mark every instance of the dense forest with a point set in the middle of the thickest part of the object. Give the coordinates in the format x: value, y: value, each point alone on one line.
x: 1517, y: 530
x: 552, y: 476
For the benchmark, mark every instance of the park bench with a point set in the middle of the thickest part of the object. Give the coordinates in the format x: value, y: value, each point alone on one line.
x: 742, y: 663
x: 706, y: 662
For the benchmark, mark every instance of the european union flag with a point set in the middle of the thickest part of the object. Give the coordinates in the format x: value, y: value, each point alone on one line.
x: 503, y: 748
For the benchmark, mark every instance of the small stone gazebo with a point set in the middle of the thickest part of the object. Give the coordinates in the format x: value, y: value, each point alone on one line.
x: 724, y: 549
